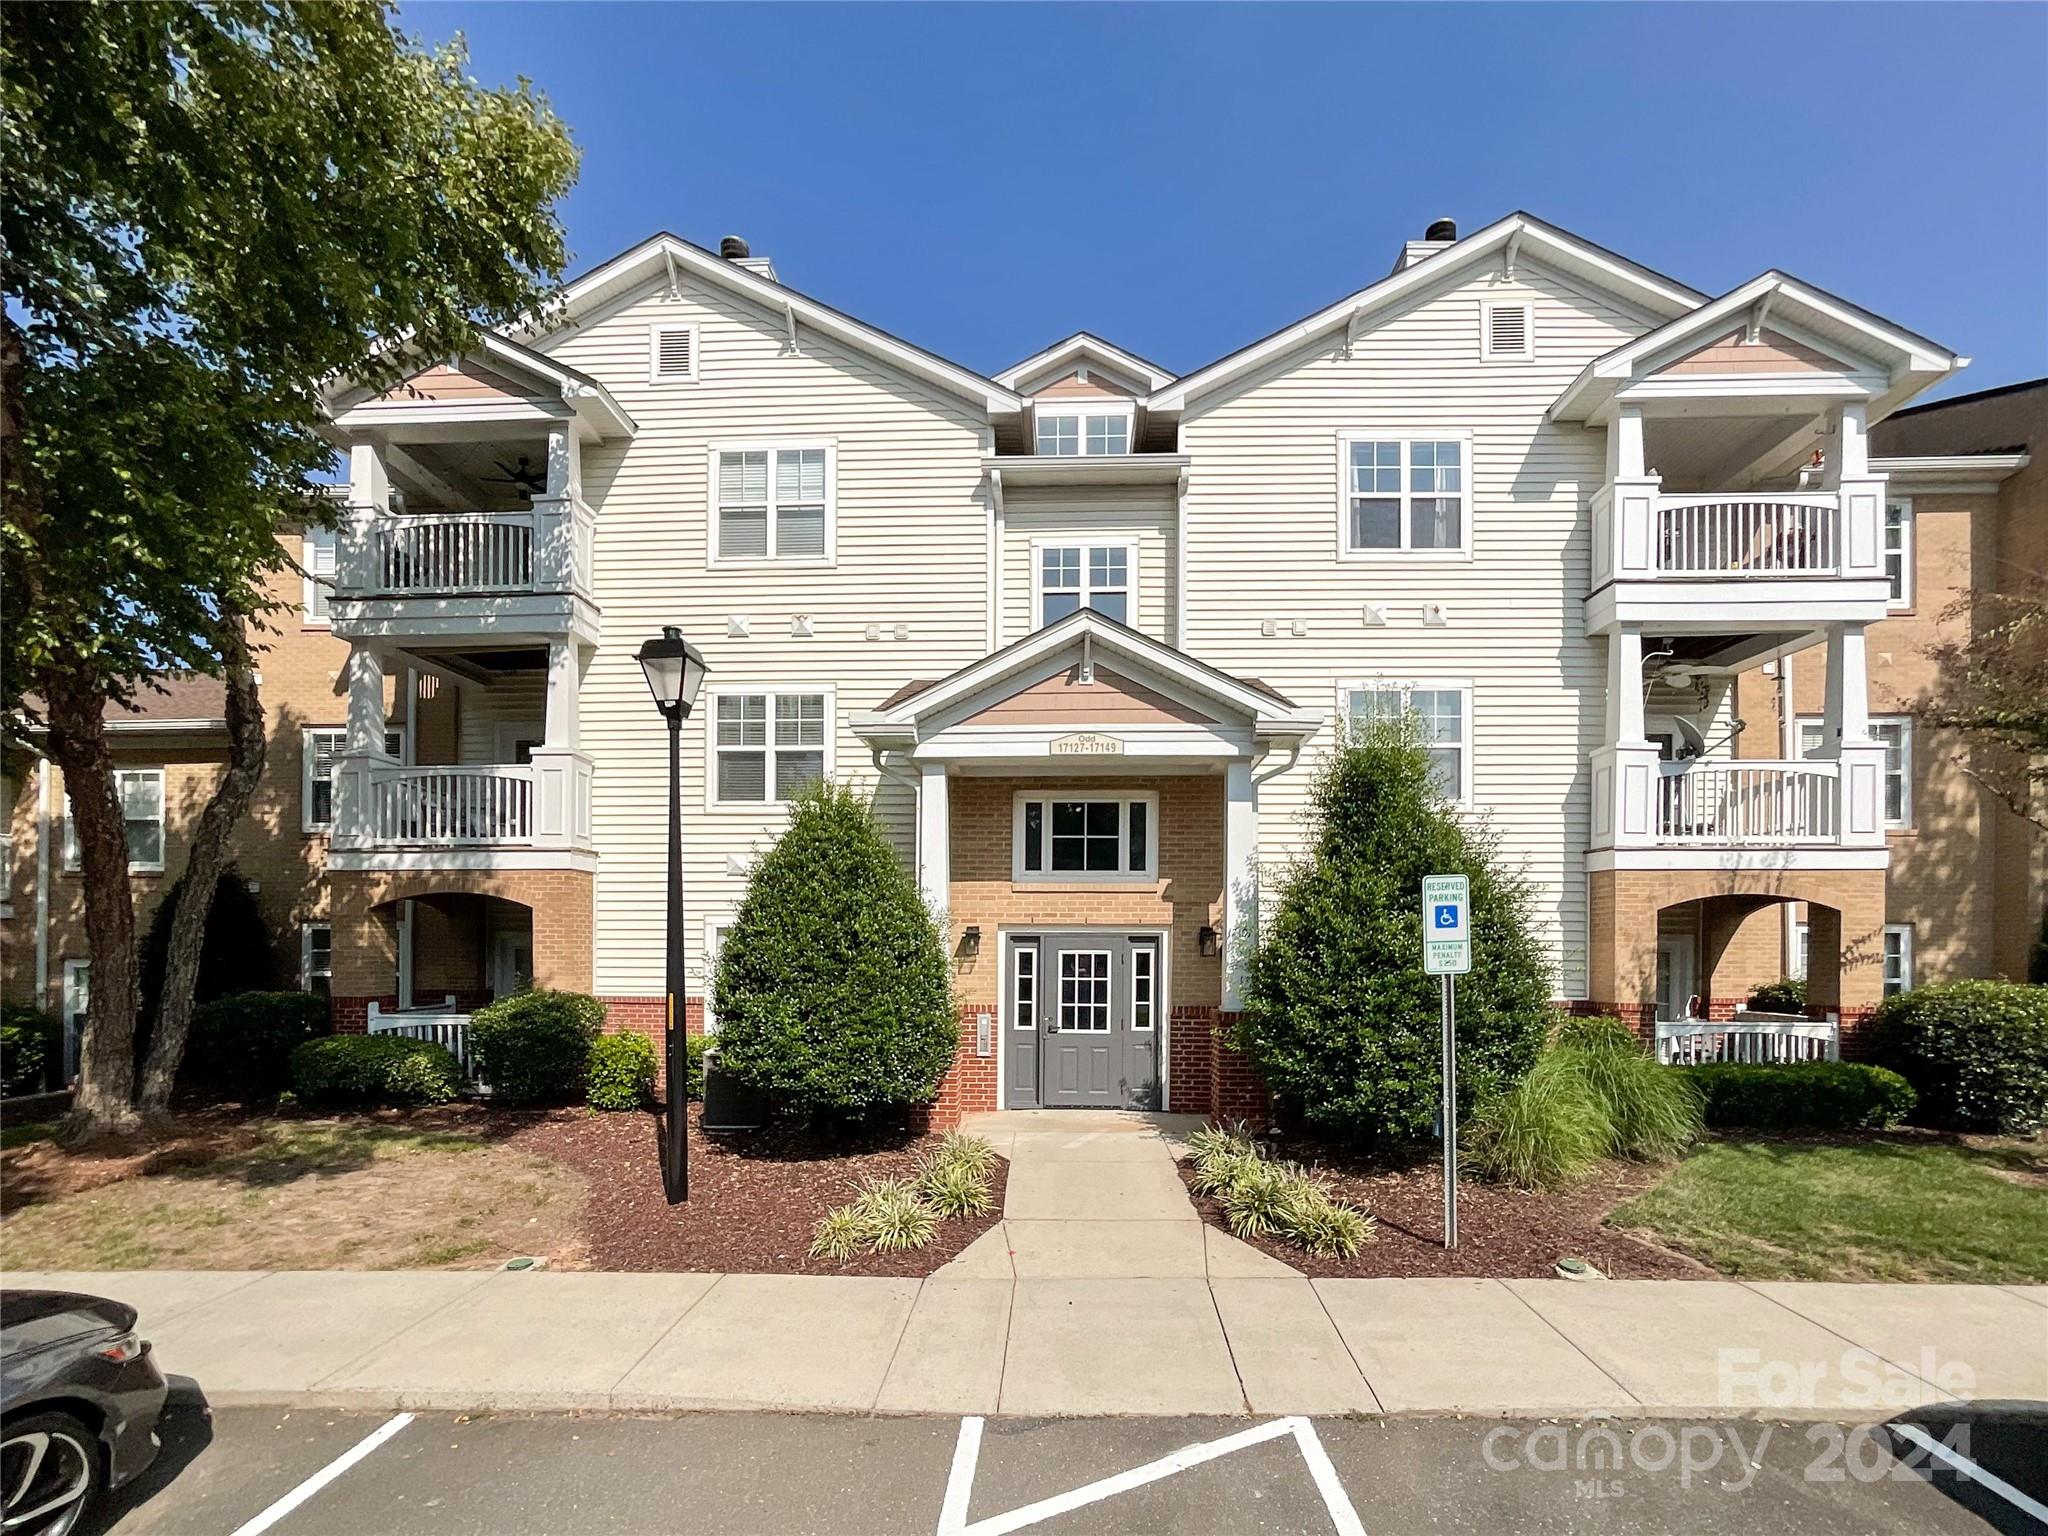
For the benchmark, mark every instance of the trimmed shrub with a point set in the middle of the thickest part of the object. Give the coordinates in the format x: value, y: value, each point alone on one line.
x: 621, y: 1072
x: 360, y: 1070
x: 242, y: 1044
x: 1549, y: 1130
x: 534, y: 1048
x: 1976, y: 1052
x: 1800, y: 1096
x: 1786, y: 995
x: 1339, y: 1018
x: 833, y: 991
x: 31, y: 1050
x: 236, y: 951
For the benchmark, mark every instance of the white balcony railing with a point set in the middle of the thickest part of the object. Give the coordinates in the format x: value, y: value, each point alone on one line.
x: 543, y: 548
x: 454, y: 552
x: 451, y: 807
x: 1642, y: 534
x: 1747, y: 804
x: 1748, y: 535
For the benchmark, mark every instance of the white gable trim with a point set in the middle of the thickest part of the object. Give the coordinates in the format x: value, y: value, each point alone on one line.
x: 1531, y: 236
x: 582, y: 395
x: 1891, y: 350
x: 1135, y: 371
x: 664, y: 254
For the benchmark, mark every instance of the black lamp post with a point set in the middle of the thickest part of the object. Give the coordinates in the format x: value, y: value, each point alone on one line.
x: 675, y: 671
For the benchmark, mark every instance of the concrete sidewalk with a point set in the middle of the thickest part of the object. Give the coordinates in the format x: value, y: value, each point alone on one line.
x: 1109, y: 1345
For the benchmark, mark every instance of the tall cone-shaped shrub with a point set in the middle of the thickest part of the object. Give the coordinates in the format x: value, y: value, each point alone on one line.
x: 1339, y: 1017
x: 833, y: 990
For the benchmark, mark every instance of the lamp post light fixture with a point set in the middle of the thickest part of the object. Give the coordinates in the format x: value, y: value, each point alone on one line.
x: 674, y: 669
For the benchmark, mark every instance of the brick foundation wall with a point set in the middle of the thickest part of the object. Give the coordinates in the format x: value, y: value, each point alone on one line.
x: 1207, y: 1075
x: 649, y: 1016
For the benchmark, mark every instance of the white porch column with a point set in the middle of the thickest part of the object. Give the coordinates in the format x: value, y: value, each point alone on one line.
x: 561, y: 771
x: 1240, y: 879
x: 1848, y: 687
x: 369, y: 482
x: 1861, y: 493
x: 1625, y: 456
x: 561, y: 533
x: 1845, y: 736
x: 1625, y: 772
x: 362, y: 749
x: 934, y: 836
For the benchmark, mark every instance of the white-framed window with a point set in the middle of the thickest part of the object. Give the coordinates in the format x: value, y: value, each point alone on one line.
x: 1895, y: 734
x: 1065, y: 577
x: 1086, y: 976
x: 768, y: 744
x: 1144, y: 986
x: 1898, y: 958
x: 1062, y: 836
x: 715, y: 931
x: 1024, y: 999
x: 1506, y: 329
x: 77, y: 998
x: 1443, y: 712
x: 141, y: 793
x: 317, y: 556
x: 1403, y: 495
x: 671, y: 353
x: 1083, y: 431
x: 773, y: 502
x: 1802, y: 940
x: 1898, y: 550
x: 316, y: 958
x: 321, y: 746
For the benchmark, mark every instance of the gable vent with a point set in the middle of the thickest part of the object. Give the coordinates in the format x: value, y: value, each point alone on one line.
x: 674, y: 353
x: 1506, y: 330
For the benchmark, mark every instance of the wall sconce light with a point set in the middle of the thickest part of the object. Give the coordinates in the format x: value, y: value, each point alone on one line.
x: 970, y: 942
x: 1207, y: 939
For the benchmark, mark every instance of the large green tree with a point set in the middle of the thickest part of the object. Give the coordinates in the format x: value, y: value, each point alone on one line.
x: 212, y: 210
x: 1339, y: 1017
x: 1992, y: 687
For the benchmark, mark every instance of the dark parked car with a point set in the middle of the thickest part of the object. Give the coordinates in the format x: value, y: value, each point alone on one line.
x: 79, y: 1399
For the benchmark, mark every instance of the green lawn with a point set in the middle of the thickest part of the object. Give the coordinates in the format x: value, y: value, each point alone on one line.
x: 1883, y: 1209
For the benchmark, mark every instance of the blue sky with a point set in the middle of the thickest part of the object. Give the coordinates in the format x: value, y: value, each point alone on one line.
x: 983, y: 179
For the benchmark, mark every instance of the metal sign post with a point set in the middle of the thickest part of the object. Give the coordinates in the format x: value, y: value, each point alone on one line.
x: 1447, y: 952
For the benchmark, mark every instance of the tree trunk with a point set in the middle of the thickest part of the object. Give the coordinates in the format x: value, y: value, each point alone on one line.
x: 104, y: 1102
x: 209, y: 856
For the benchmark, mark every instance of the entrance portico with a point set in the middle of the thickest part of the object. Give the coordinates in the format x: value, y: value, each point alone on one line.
x: 1087, y: 823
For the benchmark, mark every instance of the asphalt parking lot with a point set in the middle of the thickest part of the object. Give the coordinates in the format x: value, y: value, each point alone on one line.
x: 247, y: 1470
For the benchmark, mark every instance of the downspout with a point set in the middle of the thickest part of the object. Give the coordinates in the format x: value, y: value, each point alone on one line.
x: 995, y: 555
x: 1260, y: 773
x: 43, y: 884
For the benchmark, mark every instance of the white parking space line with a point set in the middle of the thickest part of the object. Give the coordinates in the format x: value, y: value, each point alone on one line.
x: 967, y: 1450
x: 1969, y: 1469
x: 324, y: 1476
x: 960, y: 1481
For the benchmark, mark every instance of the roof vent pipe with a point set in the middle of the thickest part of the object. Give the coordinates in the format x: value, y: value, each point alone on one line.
x: 733, y: 248
x: 1441, y: 229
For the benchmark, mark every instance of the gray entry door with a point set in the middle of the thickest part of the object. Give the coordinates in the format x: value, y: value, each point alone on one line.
x: 1084, y: 1021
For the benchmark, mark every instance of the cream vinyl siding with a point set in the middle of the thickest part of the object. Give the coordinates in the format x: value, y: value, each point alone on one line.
x: 911, y: 549
x: 1140, y: 515
x: 518, y: 699
x: 1263, y: 530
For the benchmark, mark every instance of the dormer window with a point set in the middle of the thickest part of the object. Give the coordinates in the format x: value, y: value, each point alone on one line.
x: 1069, y: 434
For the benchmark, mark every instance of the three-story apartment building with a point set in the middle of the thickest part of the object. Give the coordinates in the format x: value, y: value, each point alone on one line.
x: 1082, y: 627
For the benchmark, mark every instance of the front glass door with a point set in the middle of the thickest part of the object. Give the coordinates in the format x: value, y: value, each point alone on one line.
x: 1084, y: 1021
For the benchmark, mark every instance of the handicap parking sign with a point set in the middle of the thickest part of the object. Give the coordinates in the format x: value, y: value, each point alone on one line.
x: 1446, y: 940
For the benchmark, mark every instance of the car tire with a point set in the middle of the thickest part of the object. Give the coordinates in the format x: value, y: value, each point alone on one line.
x: 51, y: 1467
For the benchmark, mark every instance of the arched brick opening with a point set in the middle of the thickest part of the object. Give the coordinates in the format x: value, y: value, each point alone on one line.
x: 472, y: 931
x: 1733, y: 921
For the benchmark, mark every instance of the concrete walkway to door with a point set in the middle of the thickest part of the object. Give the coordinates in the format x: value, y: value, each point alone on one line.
x: 1093, y: 1195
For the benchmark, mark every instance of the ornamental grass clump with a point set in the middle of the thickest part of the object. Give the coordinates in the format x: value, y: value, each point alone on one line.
x: 955, y: 1179
x: 1653, y: 1113
x: 1262, y: 1197
x: 1547, y: 1131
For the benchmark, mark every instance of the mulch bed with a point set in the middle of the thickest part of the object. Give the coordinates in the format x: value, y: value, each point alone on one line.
x: 754, y: 1196
x: 1503, y: 1234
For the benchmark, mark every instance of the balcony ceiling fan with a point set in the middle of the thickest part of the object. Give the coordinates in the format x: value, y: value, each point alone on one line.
x: 522, y: 476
